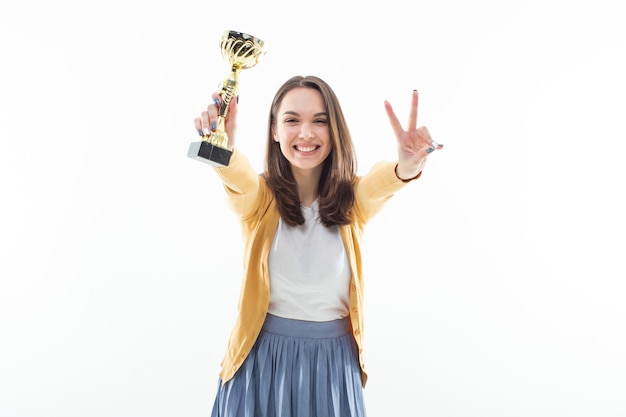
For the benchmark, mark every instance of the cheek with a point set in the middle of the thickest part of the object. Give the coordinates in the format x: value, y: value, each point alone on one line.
x: 327, y: 140
x: 284, y: 146
x: 281, y: 134
x: 324, y: 132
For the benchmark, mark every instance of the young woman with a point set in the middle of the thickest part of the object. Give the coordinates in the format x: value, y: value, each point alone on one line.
x: 296, y: 347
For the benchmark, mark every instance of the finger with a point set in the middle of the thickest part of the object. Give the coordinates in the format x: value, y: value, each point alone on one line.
x: 413, y: 113
x: 205, y: 123
x: 431, y: 146
x: 393, y: 120
x: 425, y: 135
x: 212, y: 111
x: 233, y: 106
x: 231, y: 120
x: 217, y: 100
x: 211, y: 117
x: 197, y: 122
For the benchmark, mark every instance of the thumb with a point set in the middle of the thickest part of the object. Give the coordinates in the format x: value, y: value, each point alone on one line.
x: 231, y: 121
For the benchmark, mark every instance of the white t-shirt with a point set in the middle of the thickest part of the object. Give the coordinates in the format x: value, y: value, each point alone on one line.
x: 309, y: 271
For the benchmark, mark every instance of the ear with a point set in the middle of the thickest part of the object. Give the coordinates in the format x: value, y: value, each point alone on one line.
x: 274, y: 136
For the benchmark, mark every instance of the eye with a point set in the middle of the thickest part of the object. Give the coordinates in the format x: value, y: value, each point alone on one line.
x: 290, y: 120
x: 321, y: 121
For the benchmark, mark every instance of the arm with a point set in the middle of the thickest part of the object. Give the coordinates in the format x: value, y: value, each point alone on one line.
x: 385, y: 178
x: 375, y: 188
x: 242, y: 184
x: 240, y: 181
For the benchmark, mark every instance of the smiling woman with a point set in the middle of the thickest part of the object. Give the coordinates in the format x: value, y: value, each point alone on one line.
x: 297, y: 346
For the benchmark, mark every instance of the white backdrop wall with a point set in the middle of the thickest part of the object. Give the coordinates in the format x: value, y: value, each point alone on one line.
x: 495, y: 284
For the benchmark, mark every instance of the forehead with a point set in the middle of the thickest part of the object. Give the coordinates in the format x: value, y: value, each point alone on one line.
x: 302, y: 99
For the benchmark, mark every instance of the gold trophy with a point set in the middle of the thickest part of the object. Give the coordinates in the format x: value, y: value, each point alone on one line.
x: 241, y: 51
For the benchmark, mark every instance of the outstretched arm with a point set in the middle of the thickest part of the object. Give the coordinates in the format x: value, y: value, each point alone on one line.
x: 414, y: 144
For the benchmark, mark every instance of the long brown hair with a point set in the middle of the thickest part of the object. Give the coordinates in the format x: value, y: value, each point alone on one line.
x: 336, y: 193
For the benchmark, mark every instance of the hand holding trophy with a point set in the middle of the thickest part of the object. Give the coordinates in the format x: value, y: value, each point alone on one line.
x: 241, y: 51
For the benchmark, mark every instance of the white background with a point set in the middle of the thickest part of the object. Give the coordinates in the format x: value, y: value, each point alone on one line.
x: 495, y: 284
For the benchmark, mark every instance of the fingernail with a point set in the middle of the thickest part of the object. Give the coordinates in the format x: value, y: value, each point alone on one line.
x: 206, y: 131
x: 213, y: 125
x: 200, y: 132
x: 237, y: 99
x: 439, y: 146
x: 217, y: 101
x: 429, y: 150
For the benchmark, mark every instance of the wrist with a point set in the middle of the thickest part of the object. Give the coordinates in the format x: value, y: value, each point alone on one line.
x: 407, y: 176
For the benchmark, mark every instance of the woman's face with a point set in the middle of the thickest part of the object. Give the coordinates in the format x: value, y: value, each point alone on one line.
x: 302, y: 130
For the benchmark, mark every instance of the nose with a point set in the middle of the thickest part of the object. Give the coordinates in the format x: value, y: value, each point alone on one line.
x: 305, y: 131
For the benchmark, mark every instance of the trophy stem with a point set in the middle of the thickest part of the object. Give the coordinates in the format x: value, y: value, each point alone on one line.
x: 229, y: 89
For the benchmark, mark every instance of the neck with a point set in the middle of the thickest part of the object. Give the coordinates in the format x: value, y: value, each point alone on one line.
x: 308, y: 184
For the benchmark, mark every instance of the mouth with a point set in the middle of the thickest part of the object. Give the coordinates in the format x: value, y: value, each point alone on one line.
x: 306, y: 148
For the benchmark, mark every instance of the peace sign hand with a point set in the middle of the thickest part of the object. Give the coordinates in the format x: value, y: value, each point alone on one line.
x: 414, y: 144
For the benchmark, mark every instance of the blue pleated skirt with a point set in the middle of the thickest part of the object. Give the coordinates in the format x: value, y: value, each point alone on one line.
x: 296, y: 369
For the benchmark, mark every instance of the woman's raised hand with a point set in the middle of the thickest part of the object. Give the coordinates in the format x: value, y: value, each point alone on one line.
x: 209, y: 119
x: 414, y: 144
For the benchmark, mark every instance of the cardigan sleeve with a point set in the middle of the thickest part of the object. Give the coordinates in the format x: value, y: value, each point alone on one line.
x: 375, y: 188
x: 241, y: 183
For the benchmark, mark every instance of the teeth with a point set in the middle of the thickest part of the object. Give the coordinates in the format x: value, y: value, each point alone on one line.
x: 306, y: 148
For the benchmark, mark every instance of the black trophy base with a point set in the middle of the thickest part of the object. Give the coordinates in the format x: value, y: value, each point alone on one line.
x: 211, y: 154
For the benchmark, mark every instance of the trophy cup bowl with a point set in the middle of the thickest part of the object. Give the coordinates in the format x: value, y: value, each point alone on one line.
x: 241, y: 51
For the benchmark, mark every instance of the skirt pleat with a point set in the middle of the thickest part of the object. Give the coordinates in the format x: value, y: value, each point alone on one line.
x: 296, y: 369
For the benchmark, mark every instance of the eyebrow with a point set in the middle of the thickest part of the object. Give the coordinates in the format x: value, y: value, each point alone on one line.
x: 293, y: 113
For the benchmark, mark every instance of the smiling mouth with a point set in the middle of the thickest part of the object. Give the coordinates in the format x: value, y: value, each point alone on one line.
x: 306, y: 149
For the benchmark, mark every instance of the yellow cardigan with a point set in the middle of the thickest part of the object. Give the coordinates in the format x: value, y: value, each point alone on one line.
x: 252, y: 200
